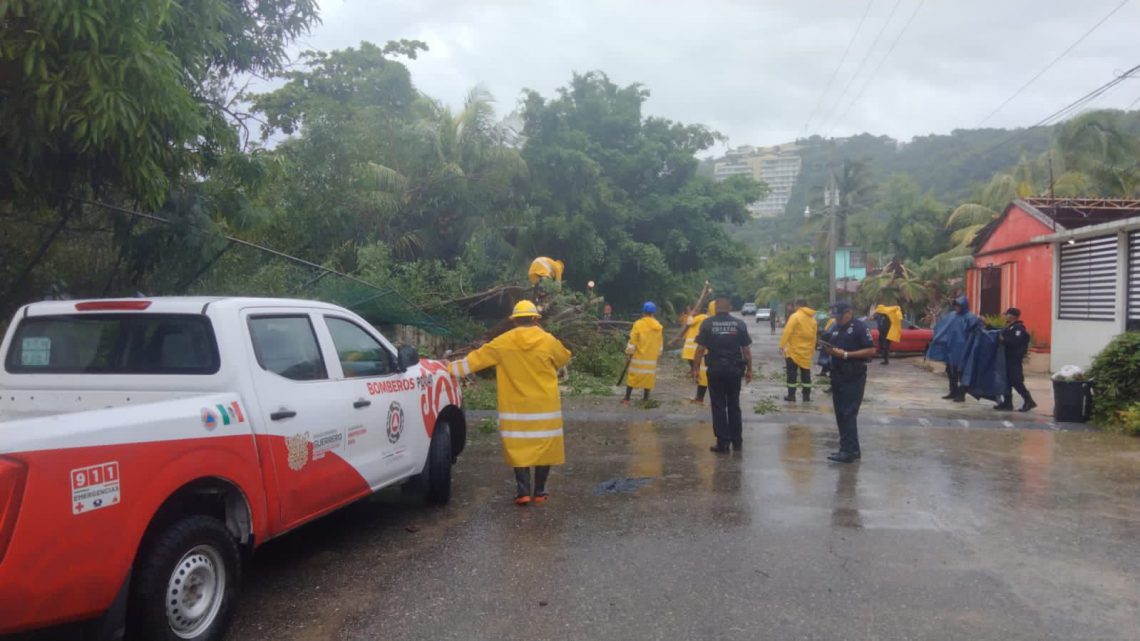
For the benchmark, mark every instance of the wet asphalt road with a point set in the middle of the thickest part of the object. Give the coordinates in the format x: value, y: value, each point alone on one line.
x: 940, y: 533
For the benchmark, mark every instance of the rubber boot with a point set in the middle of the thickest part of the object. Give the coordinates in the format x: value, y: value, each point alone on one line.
x: 522, y: 485
x: 541, y: 474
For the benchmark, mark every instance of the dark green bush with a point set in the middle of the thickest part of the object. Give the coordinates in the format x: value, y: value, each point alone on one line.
x: 602, y: 355
x: 1116, y: 382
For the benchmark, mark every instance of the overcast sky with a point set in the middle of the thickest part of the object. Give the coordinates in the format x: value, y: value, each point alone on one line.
x: 755, y: 70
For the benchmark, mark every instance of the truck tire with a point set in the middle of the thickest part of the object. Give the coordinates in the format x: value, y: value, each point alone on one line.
x: 185, y: 583
x: 439, y: 465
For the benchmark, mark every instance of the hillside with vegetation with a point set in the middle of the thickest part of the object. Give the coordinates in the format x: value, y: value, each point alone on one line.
x: 917, y: 207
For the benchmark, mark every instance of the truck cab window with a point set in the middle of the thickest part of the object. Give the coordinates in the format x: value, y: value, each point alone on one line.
x: 287, y: 346
x: 360, y: 354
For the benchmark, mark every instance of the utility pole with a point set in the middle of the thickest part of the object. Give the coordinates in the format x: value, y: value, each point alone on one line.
x: 831, y: 201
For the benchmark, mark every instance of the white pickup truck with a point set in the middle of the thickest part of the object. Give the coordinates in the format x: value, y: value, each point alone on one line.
x: 147, y: 444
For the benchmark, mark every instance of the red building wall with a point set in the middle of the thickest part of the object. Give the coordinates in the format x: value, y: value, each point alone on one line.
x: 1026, y: 272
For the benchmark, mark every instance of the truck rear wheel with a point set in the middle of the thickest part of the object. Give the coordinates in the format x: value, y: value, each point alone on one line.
x: 439, y: 465
x: 186, y: 582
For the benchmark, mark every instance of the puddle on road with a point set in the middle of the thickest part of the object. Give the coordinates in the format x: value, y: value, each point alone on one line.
x: 622, y: 485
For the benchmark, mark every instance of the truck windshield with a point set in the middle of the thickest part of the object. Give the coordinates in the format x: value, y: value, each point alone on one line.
x: 113, y: 344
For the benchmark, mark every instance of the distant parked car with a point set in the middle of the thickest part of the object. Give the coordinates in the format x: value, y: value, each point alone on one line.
x: 748, y: 309
x: 914, y: 338
x: 763, y: 314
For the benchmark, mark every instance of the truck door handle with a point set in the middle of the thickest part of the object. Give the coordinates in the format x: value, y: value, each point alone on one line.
x: 361, y: 404
x: 282, y: 415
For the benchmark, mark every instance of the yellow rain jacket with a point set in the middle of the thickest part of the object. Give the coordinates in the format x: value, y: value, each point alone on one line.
x: 645, y: 345
x: 798, y: 339
x: 689, y: 351
x: 894, y: 313
x: 543, y: 267
x: 530, y: 409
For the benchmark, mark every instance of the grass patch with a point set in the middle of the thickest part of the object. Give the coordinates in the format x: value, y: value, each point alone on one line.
x: 584, y: 384
x: 648, y: 404
x: 488, y: 425
x: 480, y: 395
x: 766, y: 406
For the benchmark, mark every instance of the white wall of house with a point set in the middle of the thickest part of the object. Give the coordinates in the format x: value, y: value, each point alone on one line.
x: 1077, y: 342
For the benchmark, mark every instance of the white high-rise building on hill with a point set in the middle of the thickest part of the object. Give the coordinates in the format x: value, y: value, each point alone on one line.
x: 778, y: 166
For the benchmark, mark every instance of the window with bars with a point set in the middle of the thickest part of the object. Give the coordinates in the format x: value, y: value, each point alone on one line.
x: 1088, y: 280
x: 1134, y: 281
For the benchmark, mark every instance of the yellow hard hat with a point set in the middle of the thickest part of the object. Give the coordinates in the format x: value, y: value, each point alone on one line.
x: 525, y: 309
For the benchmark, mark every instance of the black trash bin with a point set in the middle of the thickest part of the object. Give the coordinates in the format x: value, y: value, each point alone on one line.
x: 1072, y: 401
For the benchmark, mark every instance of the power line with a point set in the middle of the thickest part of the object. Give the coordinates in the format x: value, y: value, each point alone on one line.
x: 875, y: 71
x: 1067, y: 110
x: 1133, y: 103
x: 1053, y: 62
x: 1084, y: 100
x: 863, y: 62
x: 425, y: 319
x: 839, y: 66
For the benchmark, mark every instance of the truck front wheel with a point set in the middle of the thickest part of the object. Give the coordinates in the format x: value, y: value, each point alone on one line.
x: 438, y: 470
x: 186, y: 582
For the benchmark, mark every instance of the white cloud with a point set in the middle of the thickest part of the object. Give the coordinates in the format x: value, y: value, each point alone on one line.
x: 755, y: 70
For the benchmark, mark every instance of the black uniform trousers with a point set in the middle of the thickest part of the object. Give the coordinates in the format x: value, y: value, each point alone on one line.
x: 885, y: 349
x: 791, y: 370
x: 846, y: 396
x: 955, y: 377
x: 1015, y: 379
x: 724, y: 396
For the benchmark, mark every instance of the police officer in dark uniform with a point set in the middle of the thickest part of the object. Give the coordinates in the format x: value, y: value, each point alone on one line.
x: 1015, y: 339
x: 851, y: 347
x: 724, y: 344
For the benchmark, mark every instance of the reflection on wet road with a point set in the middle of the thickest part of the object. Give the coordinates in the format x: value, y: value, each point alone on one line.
x: 937, y: 534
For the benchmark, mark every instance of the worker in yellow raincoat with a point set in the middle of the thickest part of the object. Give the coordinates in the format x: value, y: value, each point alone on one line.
x: 689, y: 351
x: 544, y: 267
x: 646, y: 343
x: 527, y: 359
x: 797, y: 344
x: 890, y: 329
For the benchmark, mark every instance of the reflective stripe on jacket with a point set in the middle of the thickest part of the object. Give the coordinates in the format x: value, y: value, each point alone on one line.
x: 530, y: 408
x: 689, y: 351
x: 645, y: 345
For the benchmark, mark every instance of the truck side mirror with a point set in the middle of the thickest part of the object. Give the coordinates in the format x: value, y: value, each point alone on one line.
x: 407, y: 356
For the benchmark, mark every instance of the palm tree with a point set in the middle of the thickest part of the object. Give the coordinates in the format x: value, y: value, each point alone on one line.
x: 434, y: 198
x: 1095, y: 147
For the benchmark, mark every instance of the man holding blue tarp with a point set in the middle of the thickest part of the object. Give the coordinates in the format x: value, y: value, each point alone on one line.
x: 949, y: 344
x: 983, y: 365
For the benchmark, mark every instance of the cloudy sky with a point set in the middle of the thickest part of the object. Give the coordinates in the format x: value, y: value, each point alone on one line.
x: 756, y: 70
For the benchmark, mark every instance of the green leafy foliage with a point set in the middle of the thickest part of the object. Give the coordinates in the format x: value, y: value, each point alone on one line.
x: 904, y: 222
x: 1115, y: 373
x: 791, y: 274
x: 1128, y: 419
x: 580, y: 383
x: 616, y: 195
x: 488, y: 426
x: 766, y: 406
x: 116, y: 95
x: 480, y: 394
x: 603, y: 357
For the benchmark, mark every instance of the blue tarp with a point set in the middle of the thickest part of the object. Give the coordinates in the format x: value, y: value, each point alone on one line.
x: 983, y: 367
x: 950, y: 335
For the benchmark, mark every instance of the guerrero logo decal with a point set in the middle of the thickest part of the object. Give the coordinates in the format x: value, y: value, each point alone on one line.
x: 395, y: 422
x: 298, y: 448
